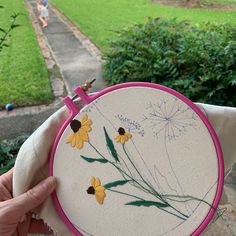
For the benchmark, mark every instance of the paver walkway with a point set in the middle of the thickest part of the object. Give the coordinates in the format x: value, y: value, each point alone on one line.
x: 75, y: 62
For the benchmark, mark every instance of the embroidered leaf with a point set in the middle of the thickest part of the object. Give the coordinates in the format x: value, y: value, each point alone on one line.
x: 115, y: 183
x: 147, y: 204
x: 90, y: 160
x: 110, y: 145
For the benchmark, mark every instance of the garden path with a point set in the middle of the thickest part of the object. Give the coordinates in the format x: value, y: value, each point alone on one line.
x: 77, y: 59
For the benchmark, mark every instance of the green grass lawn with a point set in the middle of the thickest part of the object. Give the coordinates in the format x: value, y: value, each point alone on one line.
x: 98, y: 19
x: 23, y: 74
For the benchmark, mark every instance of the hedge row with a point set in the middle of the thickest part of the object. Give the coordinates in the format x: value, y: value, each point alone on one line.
x: 198, y: 61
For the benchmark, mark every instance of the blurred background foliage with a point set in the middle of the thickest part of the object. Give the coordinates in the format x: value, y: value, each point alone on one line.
x: 198, y: 61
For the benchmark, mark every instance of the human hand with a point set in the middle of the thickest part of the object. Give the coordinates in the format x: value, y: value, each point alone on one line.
x: 13, y: 210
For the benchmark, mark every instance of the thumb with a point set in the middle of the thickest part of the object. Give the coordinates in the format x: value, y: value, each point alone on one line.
x: 33, y: 197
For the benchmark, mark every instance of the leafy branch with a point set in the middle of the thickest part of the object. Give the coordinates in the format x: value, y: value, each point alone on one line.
x: 6, y: 32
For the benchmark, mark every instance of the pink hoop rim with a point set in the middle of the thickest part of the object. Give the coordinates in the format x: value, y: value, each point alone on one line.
x: 220, y: 182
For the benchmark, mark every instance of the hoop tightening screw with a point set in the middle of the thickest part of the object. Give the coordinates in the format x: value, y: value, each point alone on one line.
x: 87, y: 85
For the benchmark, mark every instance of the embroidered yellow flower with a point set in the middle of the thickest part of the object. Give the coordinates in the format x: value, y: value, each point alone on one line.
x: 97, y: 189
x: 80, y: 129
x: 123, y: 136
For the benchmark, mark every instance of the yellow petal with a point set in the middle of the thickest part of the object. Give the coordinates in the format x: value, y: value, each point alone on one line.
x: 69, y: 138
x: 73, y: 141
x: 100, y: 188
x: 88, y: 122
x: 129, y: 135
x: 92, y: 181
x: 117, y: 138
x: 84, y: 119
x: 122, y: 139
x: 97, y: 183
x: 79, y: 142
x: 87, y: 128
x: 83, y: 134
x: 100, y: 195
x: 126, y: 138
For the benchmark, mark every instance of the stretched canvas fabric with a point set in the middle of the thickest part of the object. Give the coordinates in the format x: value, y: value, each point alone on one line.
x: 32, y: 161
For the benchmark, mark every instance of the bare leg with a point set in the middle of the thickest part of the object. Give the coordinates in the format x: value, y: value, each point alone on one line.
x: 44, y: 22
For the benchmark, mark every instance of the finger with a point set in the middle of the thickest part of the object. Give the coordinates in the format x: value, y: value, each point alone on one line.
x: 6, y: 180
x: 4, y: 193
x: 33, y: 198
x: 39, y: 227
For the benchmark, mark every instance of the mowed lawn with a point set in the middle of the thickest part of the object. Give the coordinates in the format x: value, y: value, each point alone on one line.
x: 23, y: 74
x: 98, y: 19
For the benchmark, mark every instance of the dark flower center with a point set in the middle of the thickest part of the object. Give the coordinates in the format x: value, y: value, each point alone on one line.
x: 75, y: 125
x: 121, y: 131
x: 91, y: 190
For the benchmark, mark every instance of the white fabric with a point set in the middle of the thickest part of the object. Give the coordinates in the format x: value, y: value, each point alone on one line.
x: 32, y: 161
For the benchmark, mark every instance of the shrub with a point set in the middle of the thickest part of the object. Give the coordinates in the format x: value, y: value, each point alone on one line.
x: 8, y: 152
x: 198, y: 61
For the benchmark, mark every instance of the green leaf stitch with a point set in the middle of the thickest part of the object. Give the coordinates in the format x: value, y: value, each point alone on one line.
x: 115, y: 183
x: 110, y: 145
x: 91, y: 160
x: 147, y: 204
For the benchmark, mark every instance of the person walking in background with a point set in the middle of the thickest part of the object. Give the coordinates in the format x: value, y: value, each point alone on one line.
x: 43, y: 12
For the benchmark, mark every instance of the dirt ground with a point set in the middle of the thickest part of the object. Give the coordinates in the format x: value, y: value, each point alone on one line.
x: 194, y: 4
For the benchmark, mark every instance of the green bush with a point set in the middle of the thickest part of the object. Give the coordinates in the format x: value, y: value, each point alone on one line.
x: 8, y: 152
x: 198, y: 61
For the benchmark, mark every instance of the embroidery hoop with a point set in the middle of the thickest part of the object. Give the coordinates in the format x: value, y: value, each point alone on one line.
x: 89, y: 99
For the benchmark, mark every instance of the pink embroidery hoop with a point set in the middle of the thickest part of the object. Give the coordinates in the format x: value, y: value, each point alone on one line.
x: 88, y: 99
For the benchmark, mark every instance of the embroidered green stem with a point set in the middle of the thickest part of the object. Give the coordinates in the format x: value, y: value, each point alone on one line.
x: 127, y: 194
x: 120, y: 170
x: 186, y: 198
x: 126, y: 166
x: 142, y: 187
x: 130, y: 195
x: 144, y: 181
x: 154, y: 192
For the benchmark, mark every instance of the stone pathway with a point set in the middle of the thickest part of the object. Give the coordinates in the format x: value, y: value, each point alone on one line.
x: 78, y: 60
x: 75, y: 61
